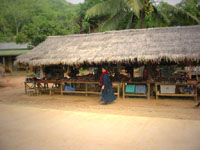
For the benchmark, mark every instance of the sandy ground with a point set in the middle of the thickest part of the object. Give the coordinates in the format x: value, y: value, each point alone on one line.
x: 72, y: 122
x: 12, y: 93
x: 30, y: 128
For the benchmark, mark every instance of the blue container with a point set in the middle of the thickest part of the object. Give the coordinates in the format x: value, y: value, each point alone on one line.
x: 141, y: 89
x: 69, y: 88
x: 130, y: 89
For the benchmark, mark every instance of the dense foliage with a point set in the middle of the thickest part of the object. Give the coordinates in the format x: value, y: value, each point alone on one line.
x: 123, y: 14
x: 33, y: 20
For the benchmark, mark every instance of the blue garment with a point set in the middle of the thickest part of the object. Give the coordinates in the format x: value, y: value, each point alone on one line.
x: 107, y: 93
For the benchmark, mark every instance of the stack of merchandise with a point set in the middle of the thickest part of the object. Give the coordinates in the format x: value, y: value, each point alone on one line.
x: 136, y: 89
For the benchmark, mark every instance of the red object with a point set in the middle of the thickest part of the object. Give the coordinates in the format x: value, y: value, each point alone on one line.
x: 145, y: 73
x: 42, y: 81
x: 100, y: 81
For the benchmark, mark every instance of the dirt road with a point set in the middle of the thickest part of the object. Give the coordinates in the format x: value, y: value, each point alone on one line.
x: 80, y: 123
x: 28, y: 128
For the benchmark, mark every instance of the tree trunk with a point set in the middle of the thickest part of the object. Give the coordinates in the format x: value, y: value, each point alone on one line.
x: 16, y: 29
x: 16, y: 25
x: 142, y: 25
x: 4, y: 29
x: 89, y: 28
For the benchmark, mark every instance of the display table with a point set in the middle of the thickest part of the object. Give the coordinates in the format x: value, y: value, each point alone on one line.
x: 30, y: 88
x: 176, y: 85
x: 84, y: 89
x: 49, y: 87
x: 145, y: 94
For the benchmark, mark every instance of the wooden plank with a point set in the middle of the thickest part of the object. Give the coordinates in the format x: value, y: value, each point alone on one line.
x: 123, y: 92
x: 25, y: 84
x: 165, y: 94
x: 10, y: 64
x: 116, y: 93
x: 156, y: 85
x: 118, y: 90
x: 148, y: 91
x: 84, y: 92
x: 168, y: 83
x: 80, y: 82
x: 196, y: 97
x: 136, y: 95
x: 61, y: 89
x: 86, y: 88
x: 142, y: 83
x: 74, y: 92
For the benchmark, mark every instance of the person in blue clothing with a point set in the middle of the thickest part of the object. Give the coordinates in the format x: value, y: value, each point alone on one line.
x: 107, y: 94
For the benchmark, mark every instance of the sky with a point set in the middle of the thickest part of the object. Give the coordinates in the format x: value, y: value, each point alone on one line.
x: 172, y: 2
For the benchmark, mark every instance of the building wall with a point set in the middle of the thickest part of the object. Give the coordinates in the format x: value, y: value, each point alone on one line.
x: 8, y: 62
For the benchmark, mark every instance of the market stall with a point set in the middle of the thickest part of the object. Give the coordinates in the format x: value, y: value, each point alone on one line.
x: 142, y: 62
x: 186, y: 89
x: 70, y: 80
x: 178, y: 82
x: 137, y: 89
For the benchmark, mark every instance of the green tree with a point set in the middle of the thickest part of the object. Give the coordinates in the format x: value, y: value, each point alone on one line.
x: 90, y: 24
x: 177, y: 15
x: 117, y: 10
x: 36, y: 33
x: 191, y: 6
x: 16, y: 15
x: 136, y: 13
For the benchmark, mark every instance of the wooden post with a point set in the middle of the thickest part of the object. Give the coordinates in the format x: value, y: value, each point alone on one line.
x: 118, y: 90
x: 156, y: 91
x: 123, y: 90
x: 31, y: 69
x: 25, y: 84
x: 10, y: 64
x: 36, y: 89
x: 4, y: 61
x: 195, y: 92
x: 148, y: 91
x: 86, y: 88
x: 50, y: 92
x: 61, y: 87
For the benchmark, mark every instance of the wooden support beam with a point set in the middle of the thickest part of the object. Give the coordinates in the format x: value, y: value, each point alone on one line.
x: 10, y: 64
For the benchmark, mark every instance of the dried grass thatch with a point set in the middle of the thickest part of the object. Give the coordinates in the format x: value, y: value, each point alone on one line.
x: 153, y: 44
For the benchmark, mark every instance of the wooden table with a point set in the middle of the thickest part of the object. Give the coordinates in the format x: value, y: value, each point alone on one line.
x: 44, y: 86
x: 30, y: 88
x: 41, y: 86
x: 86, y: 90
x: 158, y: 93
x: 148, y: 86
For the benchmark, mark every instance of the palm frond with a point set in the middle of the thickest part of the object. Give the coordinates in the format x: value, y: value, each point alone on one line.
x: 116, y: 6
x: 130, y: 21
x: 102, y: 8
x: 112, y: 23
x: 136, y: 6
x: 159, y: 15
x: 179, y: 11
x: 110, y: 7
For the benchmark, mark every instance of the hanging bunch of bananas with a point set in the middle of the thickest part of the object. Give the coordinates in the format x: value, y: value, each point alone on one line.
x: 148, y: 7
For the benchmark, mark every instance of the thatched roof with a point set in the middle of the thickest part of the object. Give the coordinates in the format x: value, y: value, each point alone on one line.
x: 172, y: 43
